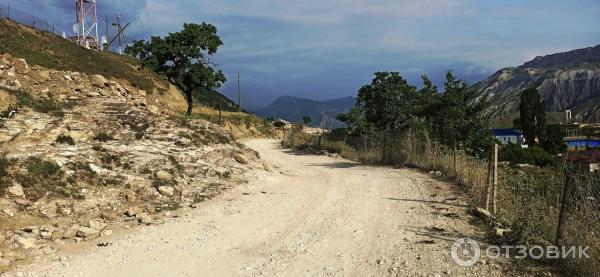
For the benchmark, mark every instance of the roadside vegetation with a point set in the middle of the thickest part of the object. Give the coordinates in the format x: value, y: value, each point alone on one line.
x: 396, y: 123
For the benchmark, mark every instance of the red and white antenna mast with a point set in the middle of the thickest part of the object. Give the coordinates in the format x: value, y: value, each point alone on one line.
x: 87, y: 24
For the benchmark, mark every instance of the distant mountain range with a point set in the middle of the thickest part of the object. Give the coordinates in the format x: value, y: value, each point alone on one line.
x: 566, y: 81
x: 293, y: 109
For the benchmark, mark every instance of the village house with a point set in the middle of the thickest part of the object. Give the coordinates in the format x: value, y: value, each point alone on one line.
x: 589, y: 160
x: 509, y: 136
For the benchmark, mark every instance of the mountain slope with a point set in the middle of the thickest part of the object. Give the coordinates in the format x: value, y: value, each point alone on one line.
x: 293, y: 109
x: 566, y: 81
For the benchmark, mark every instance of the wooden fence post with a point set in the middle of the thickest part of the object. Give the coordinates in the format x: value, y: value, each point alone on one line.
x: 567, y: 193
x: 488, y: 194
x: 495, y: 178
x: 454, y: 158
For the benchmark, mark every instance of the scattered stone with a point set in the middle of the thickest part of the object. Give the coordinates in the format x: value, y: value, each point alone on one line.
x: 106, y: 233
x: 50, y: 210
x: 163, y: 176
x: 240, y: 158
x: 16, y: 190
x: 4, y: 262
x: 96, y: 224
x: 133, y: 211
x: 223, y: 172
x: 183, y: 142
x: 44, y: 74
x: 98, y: 81
x: 96, y: 169
x: 56, y: 235
x: 166, y: 190
x: 26, y: 243
x: 86, y: 232
x: 46, y: 232
x: 71, y: 232
x: 144, y: 218
x: 23, y: 202
x: 9, y: 213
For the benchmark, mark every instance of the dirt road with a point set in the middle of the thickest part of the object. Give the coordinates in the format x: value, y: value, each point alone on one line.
x: 321, y: 216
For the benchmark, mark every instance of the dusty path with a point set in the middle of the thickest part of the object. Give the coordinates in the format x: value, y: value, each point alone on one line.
x: 322, y: 216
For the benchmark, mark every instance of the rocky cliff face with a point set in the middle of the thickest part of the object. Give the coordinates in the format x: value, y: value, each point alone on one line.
x: 566, y: 81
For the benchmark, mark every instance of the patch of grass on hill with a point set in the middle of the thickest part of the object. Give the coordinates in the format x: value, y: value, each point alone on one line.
x: 51, y: 51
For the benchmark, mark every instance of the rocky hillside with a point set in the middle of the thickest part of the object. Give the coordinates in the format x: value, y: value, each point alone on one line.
x: 566, y: 81
x: 82, y: 155
x: 53, y: 52
x: 293, y: 109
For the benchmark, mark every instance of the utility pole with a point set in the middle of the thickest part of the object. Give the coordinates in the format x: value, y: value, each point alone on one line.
x: 119, y: 29
x: 323, y: 116
x: 106, y: 32
x: 239, y: 93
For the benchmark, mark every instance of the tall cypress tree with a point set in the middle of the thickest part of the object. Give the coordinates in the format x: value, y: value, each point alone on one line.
x: 532, y: 115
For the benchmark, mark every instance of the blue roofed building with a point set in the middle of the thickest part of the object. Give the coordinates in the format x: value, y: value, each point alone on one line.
x: 509, y: 136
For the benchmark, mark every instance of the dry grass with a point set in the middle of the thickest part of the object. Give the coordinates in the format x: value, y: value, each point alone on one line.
x: 528, y: 198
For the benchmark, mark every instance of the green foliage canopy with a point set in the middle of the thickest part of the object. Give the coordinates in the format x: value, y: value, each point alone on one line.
x: 183, y: 57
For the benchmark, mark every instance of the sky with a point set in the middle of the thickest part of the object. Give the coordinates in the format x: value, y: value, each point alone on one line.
x: 325, y: 49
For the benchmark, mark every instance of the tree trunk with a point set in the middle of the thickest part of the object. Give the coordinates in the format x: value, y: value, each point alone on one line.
x: 190, y: 102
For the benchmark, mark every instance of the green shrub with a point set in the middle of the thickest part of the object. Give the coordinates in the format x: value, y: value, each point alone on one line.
x: 65, y: 139
x: 109, y: 160
x: 41, y: 168
x: 4, y: 175
x: 533, y: 155
x: 39, y: 104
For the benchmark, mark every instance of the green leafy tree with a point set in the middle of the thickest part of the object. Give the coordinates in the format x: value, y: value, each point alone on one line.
x: 389, y: 102
x: 306, y: 119
x: 554, y: 142
x: 533, y: 116
x: 184, y: 58
x: 458, y: 117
